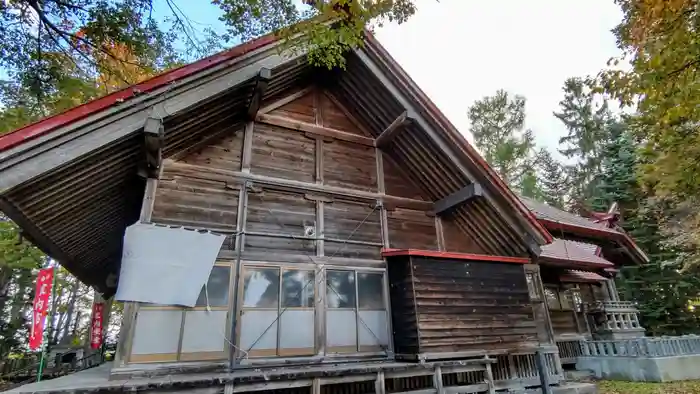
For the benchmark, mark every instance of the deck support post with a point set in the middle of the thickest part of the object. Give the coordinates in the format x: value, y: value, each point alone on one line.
x: 542, y: 369
x: 379, y: 386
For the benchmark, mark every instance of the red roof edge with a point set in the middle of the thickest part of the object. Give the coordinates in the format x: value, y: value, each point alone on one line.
x: 454, y: 256
x: 47, y: 125
x: 461, y: 140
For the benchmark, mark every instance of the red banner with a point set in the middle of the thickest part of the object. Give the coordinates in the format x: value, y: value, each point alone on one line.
x: 44, y: 282
x: 96, y: 325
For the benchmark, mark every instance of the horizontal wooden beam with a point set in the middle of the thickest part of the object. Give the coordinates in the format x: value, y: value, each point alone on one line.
x: 313, y: 129
x: 457, y: 198
x: 261, y: 83
x: 392, y: 130
x: 228, y: 176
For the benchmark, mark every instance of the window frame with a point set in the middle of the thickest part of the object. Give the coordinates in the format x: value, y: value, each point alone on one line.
x: 188, y: 356
x: 359, y: 349
x: 241, y: 309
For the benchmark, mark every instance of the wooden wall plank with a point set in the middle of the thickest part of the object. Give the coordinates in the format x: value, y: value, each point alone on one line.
x: 466, y: 306
x: 282, y: 153
x: 224, y: 153
x: 337, y: 118
x: 343, y: 221
x: 397, y: 183
x: 283, y: 213
x: 301, y: 109
x: 409, y: 229
x: 193, y: 198
x: 457, y: 240
x: 349, y: 165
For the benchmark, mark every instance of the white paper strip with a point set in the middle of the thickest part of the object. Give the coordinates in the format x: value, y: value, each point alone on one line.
x: 164, y: 265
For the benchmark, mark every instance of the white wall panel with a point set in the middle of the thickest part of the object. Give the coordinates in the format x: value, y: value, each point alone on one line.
x: 157, y: 332
x: 204, y: 331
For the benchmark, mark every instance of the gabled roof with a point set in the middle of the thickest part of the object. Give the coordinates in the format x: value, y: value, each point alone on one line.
x: 70, y: 181
x: 559, y: 222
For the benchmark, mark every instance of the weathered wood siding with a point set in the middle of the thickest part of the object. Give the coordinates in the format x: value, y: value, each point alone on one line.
x: 410, y: 229
x: 279, y: 153
x: 276, y: 221
x: 193, y: 195
x: 563, y: 322
x: 460, y: 306
x: 456, y: 240
x: 335, y: 186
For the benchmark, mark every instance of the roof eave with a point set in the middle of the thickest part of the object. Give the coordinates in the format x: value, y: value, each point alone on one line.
x: 637, y: 255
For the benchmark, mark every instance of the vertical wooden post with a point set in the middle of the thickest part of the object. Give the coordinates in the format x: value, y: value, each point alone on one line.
x: 247, y: 154
x: 542, y: 369
x: 240, y: 243
x: 126, y: 332
x: 320, y: 228
x: 437, y: 380
x: 439, y: 233
x: 489, y: 378
x: 320, y: 310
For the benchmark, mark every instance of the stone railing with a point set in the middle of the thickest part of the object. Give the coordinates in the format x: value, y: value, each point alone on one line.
x: 643, y: 347
x: 620, y: 320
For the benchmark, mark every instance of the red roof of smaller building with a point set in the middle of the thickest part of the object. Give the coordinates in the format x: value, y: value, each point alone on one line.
x: 574, y: 253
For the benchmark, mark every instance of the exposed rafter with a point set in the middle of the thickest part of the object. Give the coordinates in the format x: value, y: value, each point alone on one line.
x: 153, y: 146
x: 261, y: 82
x: 447, y: 204
x: 392, y: 130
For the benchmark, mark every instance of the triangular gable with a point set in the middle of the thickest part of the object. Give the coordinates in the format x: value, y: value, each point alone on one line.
x: 107, y: 134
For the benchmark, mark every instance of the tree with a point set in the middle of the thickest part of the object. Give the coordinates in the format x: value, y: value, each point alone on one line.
x: 662, y: 291
x: 553, y: 179
x: 19, y: 260
x: 586, y: 123
x: 660, y: 42
x: 497, y: 124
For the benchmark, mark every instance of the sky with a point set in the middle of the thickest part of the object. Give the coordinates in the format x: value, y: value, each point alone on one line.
x: 459, y: 51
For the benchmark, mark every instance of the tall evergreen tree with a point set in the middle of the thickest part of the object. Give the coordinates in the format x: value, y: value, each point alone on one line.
x: 586, y: 123
x: 553, y: 179
x: 497, y: 124
x: 662, y: 291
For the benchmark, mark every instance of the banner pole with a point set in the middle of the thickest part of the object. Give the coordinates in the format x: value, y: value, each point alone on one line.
x: 44, y: 339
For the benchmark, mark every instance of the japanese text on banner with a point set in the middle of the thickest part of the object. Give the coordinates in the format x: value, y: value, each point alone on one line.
x: 96, y: 326
x: 44, y: 282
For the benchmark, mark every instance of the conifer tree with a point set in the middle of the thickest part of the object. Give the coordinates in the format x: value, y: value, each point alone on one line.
x: 662, y: 291
x: 553, y: 179
x: 586, y: 122
x: 497, y: 124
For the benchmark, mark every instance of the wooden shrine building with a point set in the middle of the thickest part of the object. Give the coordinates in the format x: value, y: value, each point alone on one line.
x: 365, y: 244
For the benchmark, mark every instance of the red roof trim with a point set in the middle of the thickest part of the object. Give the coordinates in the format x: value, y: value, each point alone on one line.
x: 455, y: 256
x: 47, y: 125
x: 459, y: 138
